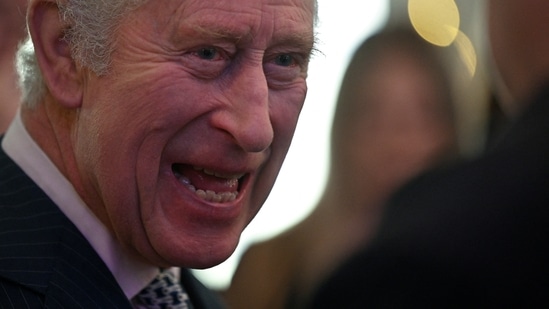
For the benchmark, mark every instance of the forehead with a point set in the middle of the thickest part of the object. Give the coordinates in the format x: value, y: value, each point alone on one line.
x: 242, y: 20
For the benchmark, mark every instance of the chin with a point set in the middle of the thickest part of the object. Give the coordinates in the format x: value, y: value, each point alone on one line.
x: 197, y: 254
x: 207, y: 259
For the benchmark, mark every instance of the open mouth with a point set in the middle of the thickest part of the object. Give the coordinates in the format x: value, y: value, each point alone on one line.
x: 209, y: 185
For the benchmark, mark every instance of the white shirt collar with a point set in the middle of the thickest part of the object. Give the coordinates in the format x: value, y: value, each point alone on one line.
x: 131, y: 274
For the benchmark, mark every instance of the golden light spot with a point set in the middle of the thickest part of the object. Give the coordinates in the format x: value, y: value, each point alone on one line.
x: 466, y: 52
x: 437, y: 21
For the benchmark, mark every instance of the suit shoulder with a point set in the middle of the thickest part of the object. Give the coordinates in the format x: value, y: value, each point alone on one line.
x: 13, y: 295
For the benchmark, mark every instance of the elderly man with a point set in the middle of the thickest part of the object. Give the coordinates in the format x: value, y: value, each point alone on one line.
x: 150, y: 135
x: 475, y: 235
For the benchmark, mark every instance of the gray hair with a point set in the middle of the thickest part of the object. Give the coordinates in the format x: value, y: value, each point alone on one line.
x: 89, y: 33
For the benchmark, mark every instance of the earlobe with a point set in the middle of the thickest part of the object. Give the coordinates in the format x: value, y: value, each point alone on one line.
x: 58, y: 68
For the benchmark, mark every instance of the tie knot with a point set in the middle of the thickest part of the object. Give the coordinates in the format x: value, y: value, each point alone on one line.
x: 164, y: 292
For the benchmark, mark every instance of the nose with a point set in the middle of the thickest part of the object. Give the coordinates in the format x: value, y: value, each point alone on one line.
x: 246, y: 116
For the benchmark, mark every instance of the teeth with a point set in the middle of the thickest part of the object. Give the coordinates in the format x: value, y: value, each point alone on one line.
x: 212, y: 196
x: 208, y: 172
x: 208, y: 195
x: 212, y: 173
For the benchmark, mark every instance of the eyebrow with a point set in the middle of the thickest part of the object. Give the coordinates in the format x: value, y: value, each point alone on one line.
x: 303, y: 41
x: 222, y: 33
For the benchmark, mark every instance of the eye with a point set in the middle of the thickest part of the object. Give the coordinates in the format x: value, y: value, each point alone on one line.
x: 284, y: 69
x: 284, y: 60
x: 206, y: 61
x: 207, y: 53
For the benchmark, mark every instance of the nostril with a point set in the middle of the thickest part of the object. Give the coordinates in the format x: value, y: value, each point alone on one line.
x: 252, y: 132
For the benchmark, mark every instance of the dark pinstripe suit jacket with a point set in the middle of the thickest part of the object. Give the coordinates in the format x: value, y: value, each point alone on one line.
x: 45, y: 262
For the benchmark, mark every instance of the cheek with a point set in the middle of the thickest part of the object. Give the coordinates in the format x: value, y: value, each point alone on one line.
x: 159, y: 100
x: 120, y: 124
x: 284, y: 111
x: 285, y: 107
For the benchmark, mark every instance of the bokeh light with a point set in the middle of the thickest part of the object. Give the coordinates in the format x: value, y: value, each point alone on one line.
x: 466, y: 52
x: 437, y: 21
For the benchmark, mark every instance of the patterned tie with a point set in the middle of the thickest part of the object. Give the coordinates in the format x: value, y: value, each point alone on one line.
x: 165, y: 293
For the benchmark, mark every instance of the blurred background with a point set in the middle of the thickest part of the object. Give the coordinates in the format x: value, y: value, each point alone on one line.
x: 457, y: 26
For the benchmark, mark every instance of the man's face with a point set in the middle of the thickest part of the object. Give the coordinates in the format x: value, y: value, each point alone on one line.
x: 180, y: 144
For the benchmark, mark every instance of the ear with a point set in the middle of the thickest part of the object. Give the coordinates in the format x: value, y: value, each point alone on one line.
x: 58, y: 68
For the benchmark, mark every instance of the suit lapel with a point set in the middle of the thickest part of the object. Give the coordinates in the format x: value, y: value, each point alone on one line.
x: 43, y: 251
x: 201, y: 296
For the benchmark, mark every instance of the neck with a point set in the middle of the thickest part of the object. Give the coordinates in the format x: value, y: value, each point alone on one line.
x: 50, y: 127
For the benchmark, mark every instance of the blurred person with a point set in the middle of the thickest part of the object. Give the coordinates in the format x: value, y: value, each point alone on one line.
x: 150, y: 134
x: 12, y: 31
x: 474, y: 235
x: 393, y: 119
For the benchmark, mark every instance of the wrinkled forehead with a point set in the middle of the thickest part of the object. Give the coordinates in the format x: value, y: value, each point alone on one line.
x: 244, y: 17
